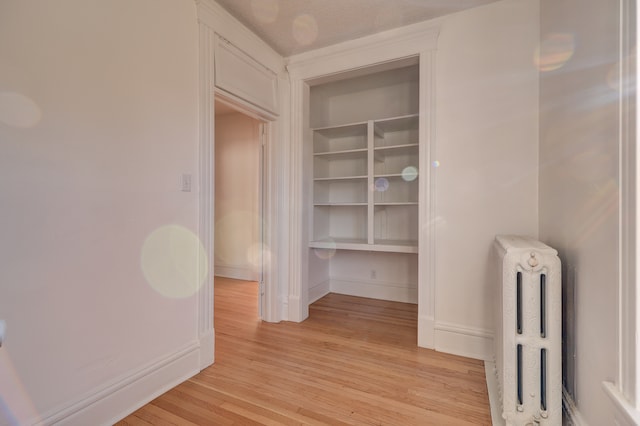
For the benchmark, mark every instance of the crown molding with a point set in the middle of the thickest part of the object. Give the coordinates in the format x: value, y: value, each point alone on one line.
x: 382, y: 47
x: 214, y: 16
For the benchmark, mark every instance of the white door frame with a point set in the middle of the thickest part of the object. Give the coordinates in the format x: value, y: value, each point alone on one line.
x: 264, y: 127
x: 415, y: 41
x: 272, y: 312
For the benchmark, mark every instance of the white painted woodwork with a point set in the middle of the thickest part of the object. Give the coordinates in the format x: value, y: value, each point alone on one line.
x: 239, y: 75
x: 362, y: 197
x: 384, y: 52
x: 215, y: 21
x: 237, y: 196
x: 318, y: 23
x: 206, y: 131
x: 365, y: 186
x: 479, y: 179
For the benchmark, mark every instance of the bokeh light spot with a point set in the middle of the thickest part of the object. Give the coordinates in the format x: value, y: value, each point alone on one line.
x: 328, y: 252
x: 258, y: 254
x: 435, y: 164
x: 305, y: 29
x: 554, y: 51
x: 409, y: 173
x: 265, y: 10
x: 17, y: 110
x: 382, y: 184
x: 16, y: 405
x: 621, y: 77
x: 235, y: 232
x: 174, y: 262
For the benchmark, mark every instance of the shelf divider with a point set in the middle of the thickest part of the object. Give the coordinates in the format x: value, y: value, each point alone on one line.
x: 370, y: 181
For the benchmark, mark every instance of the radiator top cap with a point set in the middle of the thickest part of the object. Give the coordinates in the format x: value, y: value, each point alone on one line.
x: 533, y: 262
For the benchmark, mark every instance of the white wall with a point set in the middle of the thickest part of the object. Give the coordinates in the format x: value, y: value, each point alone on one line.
x: 487, y: 149
x: 112, y: 126
x: 579, y: 190
x: 237, y: 213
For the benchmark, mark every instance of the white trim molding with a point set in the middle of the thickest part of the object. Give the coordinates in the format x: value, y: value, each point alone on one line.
x: 319, y: 290
x: 298, y: 294
x: 629, y: 373
x: 206, y: 201
x: 215, y: 22
x: 413, y: 41
x: 625, y: 413
x: 493, y: 388
x: 465, y: 341
x: 237, y: 272
x: 374, y: 289
x: 427, y: 202
x: 126, y: 394
x: 222, y: 22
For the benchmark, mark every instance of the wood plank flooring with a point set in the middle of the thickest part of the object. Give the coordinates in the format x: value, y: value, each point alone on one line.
x: 353, y: 362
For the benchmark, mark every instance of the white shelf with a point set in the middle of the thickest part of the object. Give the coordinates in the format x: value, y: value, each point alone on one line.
x: 347, y: 161
x: 390, y: 246
x: 395, y: 203
x: 349, y: 129
x: 322, y: 204
x: 344, y: 153
x: 342, y: 178
x: 392, y: 176
x: 361, y: 189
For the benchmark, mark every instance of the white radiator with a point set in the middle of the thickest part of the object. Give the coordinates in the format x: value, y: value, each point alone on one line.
x: 528, y: 331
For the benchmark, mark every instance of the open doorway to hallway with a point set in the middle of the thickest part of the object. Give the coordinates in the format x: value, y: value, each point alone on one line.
x: 238, y: 211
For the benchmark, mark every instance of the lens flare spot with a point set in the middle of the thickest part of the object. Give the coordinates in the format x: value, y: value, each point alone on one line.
x: 554, y: 51
x: 435, y: 164
x: 409, y: 173
x: 621, y: 77
x: 16, y: 406
x: 327, y: 252
x: 16, y: 110
x: 174, y: 262
x: 258, y: 254
x: 265, y: 10
x: 382, y: 184
x: 235, y: 232
x: 305, y: 29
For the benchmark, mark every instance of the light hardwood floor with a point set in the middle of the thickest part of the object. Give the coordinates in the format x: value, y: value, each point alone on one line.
x: 354, y: 361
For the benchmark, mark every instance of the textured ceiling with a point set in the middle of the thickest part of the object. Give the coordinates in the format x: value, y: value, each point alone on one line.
x: 296, y: 26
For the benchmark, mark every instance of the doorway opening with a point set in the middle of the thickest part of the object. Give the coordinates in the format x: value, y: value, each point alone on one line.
x: 239, y: 202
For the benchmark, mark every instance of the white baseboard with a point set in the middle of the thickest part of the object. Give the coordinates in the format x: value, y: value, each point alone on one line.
x: 426, y: 332
x: 571, y: 414
x: 207, y: 349
x: 236, y: 273
x: 318, y: 291
x: 297, y: 312
x: 494, y: 393
x: 464, y: 341
x: 108, y: 404
x: 375, y: 290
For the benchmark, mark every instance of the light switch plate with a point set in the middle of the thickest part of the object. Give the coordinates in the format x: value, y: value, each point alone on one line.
x: 3, y: 329
x: 185, y: 182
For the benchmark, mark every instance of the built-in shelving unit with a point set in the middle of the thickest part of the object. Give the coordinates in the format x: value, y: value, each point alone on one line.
x: 365, y: 186
x: 361, y: 158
